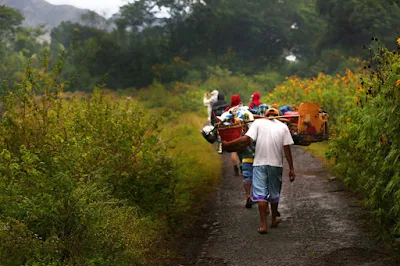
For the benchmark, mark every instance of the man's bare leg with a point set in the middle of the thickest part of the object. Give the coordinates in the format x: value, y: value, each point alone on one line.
x: 247, y: 188
x: 262, y: 209
x: 234, y: 158
x: 275, y: 219
x: 235, y: 163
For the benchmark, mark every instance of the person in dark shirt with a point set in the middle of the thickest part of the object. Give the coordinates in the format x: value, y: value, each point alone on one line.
x: 218, y: 108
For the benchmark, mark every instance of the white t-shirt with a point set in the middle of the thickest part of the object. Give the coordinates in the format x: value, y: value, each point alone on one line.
x: 270, y: 137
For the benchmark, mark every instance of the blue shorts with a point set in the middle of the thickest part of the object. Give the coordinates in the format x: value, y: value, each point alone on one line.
x: 267, y: 183
x: 247, y: 172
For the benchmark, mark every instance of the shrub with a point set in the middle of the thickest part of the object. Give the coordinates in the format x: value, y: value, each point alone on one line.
x: 84, y: 181
x: 367, y: 146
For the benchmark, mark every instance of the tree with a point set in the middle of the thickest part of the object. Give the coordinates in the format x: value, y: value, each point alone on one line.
x: 10, y: 19
x: 94, y: 20
x: 352, y: 23
x: 26, y: 40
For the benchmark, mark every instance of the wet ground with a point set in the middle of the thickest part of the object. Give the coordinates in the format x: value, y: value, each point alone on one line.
x: 322, y: 224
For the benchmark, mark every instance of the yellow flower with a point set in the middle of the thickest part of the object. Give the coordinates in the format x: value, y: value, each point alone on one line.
x: 348, y: 118
x: 270, y: 95
x: 398, y: 81
x: 383, y: 137
x: 398, y: 41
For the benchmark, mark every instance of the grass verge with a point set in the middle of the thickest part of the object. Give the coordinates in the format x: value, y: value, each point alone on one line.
x: 318, y: 150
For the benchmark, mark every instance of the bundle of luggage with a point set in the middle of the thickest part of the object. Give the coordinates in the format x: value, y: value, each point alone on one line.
x: 308, y: 124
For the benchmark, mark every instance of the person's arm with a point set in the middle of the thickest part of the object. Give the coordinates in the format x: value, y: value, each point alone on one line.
x: 206, y: 101
x: 288, y: 155
x: 237, y: 144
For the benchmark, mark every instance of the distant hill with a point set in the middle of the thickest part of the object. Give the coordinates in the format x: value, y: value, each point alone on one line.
x: 41, y: 12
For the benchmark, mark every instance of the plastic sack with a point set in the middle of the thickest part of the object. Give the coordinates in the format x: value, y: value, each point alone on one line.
x: 209, y: 133
x: 225, y: 116
x: 242, y: 113
x: 284, y: 109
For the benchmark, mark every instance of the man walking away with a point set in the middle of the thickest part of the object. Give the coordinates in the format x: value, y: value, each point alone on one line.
x: 218, y: 108
x: 272, y: 139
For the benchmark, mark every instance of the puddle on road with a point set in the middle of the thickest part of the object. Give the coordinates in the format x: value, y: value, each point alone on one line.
x: 316, y: 195
x: 308, y: 176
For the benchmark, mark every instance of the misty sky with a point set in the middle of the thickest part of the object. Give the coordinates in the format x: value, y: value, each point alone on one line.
x: 103, y: 7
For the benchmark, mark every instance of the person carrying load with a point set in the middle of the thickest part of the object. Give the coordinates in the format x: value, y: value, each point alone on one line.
x: 272, y: 139
x: 246, y: 158
x: 256, y: 107
x: 235, y: 102
x: 218, y: 108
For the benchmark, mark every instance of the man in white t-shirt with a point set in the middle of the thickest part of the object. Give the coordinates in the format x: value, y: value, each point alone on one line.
x: 272, y: 139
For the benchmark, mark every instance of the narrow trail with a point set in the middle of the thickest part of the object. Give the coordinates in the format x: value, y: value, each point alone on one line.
x: 322, y: 224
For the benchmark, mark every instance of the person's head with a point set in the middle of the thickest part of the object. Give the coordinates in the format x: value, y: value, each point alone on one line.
x: 214, y: 93
x: 274, y: 106
x: 256, y: 98
x: 272, y: 112
x: 235, y: 100
x: 221, y: 96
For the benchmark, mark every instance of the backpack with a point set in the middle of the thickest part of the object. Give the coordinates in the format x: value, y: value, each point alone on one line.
x: 262, y: 108
x: 217, y: 110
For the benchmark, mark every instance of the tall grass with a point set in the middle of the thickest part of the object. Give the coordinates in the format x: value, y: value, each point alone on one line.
x: 90, y: 180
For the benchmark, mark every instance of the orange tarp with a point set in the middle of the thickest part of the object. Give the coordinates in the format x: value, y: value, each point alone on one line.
x: 309, y: 114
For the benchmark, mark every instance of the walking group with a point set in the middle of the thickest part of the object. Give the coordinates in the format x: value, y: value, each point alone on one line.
x: 257, y: 154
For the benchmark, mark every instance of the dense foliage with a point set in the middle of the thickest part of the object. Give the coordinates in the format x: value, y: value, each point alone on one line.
x: 367, y: 148
x: 245, y: 37
x: 335, y: 94
x: 88, y: 180
x: 351, y: 23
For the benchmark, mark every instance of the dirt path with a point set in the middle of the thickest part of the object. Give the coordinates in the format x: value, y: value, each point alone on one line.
x: 322, y: 225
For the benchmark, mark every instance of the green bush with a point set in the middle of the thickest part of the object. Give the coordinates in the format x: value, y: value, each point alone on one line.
x: 85, y: 181
x: 367, y: 146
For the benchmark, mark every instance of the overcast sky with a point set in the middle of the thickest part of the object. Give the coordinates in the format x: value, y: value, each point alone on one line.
x: 103, y: 7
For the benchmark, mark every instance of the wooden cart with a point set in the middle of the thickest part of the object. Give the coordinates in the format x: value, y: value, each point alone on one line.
x: 309, y: 124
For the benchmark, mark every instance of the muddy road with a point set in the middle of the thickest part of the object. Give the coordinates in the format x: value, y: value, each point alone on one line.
x: 322, y: 224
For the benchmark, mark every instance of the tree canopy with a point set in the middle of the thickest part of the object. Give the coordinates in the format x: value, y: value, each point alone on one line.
x: 242, y: 36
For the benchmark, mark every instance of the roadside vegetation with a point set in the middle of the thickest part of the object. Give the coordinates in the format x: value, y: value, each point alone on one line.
x: 94, y: 180
x: 366, y: 148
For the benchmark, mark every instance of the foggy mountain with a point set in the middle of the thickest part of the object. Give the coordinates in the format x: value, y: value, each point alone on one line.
x: 41, y: 12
